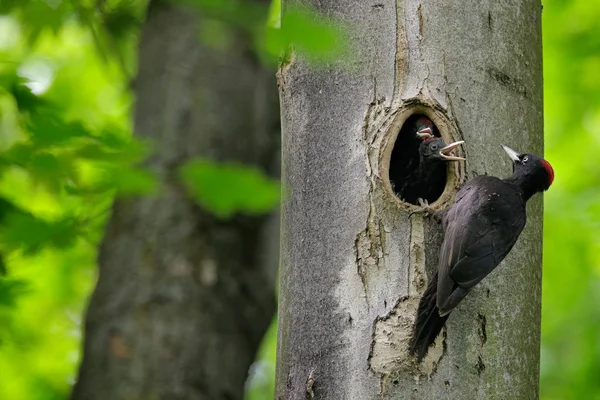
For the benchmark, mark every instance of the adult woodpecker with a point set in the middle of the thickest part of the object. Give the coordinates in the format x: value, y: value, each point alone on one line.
x: 426, y: 182
x: 480, y: 229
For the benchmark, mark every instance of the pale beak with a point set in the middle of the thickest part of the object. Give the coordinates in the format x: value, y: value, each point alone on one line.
x: 445, y: 152
x: 511, y: 153
x: 424, y: 133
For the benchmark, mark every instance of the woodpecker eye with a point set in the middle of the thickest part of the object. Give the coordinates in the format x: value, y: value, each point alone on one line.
x: 434, y: 147
x: 525, y: 159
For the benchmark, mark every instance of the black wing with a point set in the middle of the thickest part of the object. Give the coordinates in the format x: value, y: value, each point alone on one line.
x: 481, y: 228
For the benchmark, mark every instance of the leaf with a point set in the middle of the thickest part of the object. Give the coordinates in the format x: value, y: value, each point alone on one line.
x: 122, y: 19
x: 11, y: 290
x: 26, y: 100
x: 3, y: 269
x: 52, y: 171
x: 229, y: 188
x: 134, y: 181
x: 111, y: 148
x: 7, y: 6
x: 317, y: 37
x: 39, y: 16
x: 19, y: 153
x: 7, y: 208
x: 29, y: 233
x: 49, y: 129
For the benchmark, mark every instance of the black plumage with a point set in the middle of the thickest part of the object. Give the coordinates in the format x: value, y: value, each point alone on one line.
x: 480, y: 229
x: 428, y: 179
x: 405, y: 156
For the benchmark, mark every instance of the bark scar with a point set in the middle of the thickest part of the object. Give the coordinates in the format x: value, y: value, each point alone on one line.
x: 368, y: 245
x: 391, y: 333
x: 482, y: 329
x: 480, y: 366
x: 420, y: 15
x: 417, y: 256
x: 503, y: 79
x: 310, y: 382
x: 368, y: 249
x: 401, y: 55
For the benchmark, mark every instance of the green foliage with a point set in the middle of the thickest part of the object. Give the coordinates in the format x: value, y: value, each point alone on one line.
x: 570, y: 364
x: 318, y: 38
x: 65, y: 151
x: 228, y: 188
x: 64, y: 135
x: 261, y: 379
x: 10, y: 290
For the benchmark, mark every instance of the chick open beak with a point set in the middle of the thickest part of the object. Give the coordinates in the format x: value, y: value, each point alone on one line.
x: 511, y: 153
x: 445, y: 152
x: 424, y: 133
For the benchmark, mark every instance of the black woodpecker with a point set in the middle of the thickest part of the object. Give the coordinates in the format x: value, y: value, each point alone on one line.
x: 480, y: 229
x: 426, y: 182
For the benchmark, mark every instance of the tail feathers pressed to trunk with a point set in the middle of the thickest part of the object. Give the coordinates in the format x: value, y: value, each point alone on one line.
x: 428, y: 323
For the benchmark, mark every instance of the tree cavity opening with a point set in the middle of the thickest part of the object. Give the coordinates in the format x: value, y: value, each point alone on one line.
x: 419, y: 161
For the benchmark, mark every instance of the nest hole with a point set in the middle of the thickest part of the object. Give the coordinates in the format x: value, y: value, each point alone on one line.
x: 417, y: 172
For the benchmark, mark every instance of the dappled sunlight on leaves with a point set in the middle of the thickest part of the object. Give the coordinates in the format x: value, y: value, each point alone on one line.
x: 55, y: 144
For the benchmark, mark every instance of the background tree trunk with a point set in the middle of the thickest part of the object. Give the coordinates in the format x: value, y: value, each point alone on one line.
x: 354, y: 264
x: 183, y: 299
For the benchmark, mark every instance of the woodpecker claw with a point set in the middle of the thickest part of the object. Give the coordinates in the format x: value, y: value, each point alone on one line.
x: 425, y: 210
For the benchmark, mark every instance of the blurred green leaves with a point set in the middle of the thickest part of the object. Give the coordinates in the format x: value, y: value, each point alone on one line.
x: 229, y: 188
x: 316, y: 37
x: 261, y: 377
x: 52, y: 148
x: 24, y: 231
x: 301, y: 29
x: 10, y: 290
x: 109, y: 19
x: 65, y: 151
x: 570, y: 362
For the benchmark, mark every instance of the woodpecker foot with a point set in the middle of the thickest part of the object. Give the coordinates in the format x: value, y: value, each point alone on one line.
x: 427, y: 211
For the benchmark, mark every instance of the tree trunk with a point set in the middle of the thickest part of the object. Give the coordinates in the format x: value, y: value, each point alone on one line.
x: 354, y: 262
x: 183, y: 299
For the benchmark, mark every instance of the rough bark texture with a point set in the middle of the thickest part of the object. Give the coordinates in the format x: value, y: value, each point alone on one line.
x: 354, y: 263
x: 183, y: 299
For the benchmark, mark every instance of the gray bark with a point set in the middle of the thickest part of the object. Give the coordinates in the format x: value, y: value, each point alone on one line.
x: 183, y: 299
x: 354, y: 263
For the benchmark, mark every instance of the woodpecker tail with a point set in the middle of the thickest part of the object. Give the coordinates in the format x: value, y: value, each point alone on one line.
x: 428, y: 323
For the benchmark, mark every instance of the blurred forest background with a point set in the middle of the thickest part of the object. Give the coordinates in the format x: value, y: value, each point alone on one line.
x: 66, y: 72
